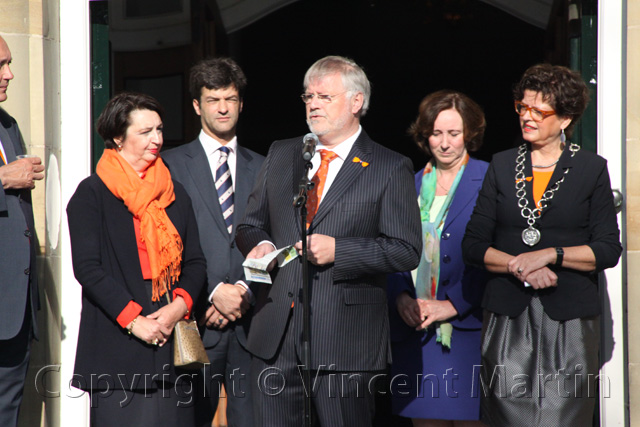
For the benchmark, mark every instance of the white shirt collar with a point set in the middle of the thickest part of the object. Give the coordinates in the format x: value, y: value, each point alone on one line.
x: 343, y: 149
x: 211, y: 145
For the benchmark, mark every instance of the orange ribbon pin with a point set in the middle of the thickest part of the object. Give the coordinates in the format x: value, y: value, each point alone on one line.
x: 357, y: 160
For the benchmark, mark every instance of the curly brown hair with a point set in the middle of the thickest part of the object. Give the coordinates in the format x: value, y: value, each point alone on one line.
x: 433, y: 104
x: 562, y: 88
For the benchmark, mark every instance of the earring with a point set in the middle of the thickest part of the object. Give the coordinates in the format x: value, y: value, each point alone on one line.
x: 563, y: 137
x: 119, y: 147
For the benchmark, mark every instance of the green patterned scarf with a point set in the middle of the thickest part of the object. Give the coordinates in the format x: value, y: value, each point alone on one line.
x: 429, y: 268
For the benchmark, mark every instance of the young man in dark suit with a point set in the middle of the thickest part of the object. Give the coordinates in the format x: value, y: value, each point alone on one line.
x: 218, y: 174
x: 366, y: 225
x: 18, y: 278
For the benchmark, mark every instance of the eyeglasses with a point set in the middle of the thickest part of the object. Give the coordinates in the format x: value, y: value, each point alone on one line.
x: 536, y: 114
x: 308, y: 97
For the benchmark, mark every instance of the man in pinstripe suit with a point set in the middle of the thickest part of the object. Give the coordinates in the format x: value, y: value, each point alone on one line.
x: 367, y: 224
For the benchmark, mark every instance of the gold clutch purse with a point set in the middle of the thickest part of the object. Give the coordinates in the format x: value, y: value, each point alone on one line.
x: 188, y: 350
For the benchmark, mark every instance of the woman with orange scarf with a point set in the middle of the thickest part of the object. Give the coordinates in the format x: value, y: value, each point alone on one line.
x: 135, y: 246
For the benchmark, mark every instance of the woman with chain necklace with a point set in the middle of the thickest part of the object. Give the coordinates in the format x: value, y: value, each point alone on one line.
x: 435, y: 313
x: 544, y: 225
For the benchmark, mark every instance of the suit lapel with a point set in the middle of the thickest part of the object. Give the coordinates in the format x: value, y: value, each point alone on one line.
x: 564, y: 163
x: 468, y: 187
x: 347, y: 175
x: 528, y: 173
x: 198, y: 166
x: 298, y: 169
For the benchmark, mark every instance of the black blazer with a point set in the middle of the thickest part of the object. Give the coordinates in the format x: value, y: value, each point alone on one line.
x: 580, y: 213
x: 372, y: 213
x: 106, y: 263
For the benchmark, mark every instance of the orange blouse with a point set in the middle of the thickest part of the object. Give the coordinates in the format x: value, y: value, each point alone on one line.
x: 540, y: 182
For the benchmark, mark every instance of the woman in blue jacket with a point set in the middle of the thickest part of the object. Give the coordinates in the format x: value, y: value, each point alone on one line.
x: 435, y: 316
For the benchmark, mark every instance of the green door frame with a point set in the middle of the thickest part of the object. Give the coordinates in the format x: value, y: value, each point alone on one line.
x: 583, y: 57
x: 100, y: 73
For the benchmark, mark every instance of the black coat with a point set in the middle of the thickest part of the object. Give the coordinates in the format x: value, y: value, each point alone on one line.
x: 580, y: 213
x: 107, y: 265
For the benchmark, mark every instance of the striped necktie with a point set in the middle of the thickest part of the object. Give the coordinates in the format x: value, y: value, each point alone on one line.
x: 224, y: 188
x: 2, y: 154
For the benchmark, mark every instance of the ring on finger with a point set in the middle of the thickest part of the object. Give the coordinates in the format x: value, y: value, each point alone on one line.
x: 155, y: 341
x: 220, y: 320
x: 520, y: 270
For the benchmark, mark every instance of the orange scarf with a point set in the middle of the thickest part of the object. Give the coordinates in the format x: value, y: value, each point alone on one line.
x: 146, y: 198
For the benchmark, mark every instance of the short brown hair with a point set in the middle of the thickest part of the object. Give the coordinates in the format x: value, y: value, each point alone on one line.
x: 216, y: 73
x: 432, y: 105
x: 115, y: 119
x: 562, y: 88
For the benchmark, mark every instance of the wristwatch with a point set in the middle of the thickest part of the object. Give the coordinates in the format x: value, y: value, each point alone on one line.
x: 559, y: 256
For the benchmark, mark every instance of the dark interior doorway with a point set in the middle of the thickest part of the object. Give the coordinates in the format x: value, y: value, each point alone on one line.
x: 408, y: 48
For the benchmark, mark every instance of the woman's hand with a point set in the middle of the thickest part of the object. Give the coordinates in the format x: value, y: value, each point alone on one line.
x: 149, y: 331
x: 542, y: 278
x: 435, y: 311
x: 169, y: 315
x: 523, y: 265
x: 408, y: 309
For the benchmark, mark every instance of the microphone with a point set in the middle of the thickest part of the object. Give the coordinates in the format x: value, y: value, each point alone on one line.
x: 310, y: 141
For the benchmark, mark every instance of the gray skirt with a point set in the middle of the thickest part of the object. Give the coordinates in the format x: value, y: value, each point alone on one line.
x: 537, y: 371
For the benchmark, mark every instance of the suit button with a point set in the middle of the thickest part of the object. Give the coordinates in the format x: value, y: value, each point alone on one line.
x: 445, y: 282
x: 233, y: 244
x: 446, y: 236
x: 446, y: 259
x: 27, y: 271
x: 27, y: 232
x: 290, y: 294
x: 226, y: 279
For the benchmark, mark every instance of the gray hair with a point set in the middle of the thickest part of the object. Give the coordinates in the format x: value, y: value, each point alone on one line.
x: 353, y: 77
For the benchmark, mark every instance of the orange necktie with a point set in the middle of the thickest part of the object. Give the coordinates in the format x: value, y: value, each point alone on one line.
x: 318, y: 179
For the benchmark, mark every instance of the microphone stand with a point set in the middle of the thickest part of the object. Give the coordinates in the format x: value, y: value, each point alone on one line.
x: 300, y: 201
